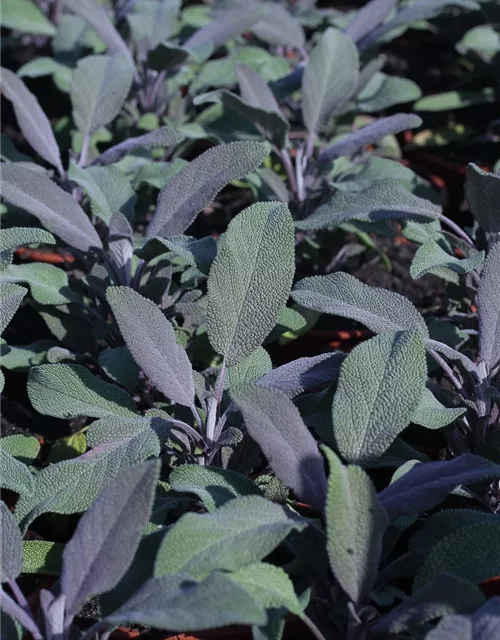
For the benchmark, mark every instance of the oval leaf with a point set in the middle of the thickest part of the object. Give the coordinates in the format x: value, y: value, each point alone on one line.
x: 488, y: 309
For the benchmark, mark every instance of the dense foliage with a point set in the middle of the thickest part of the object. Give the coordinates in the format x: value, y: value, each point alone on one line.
x: 209, y: 182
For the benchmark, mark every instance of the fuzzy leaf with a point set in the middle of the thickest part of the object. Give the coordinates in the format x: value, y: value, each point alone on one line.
x: 380, y: 385
x: 16, y: 237
x: 26, y: 17
x: 99, y: 87
x: 430, y: 256
x: 106, y: 538
x: 256, y: 365
x: 48, y: 284
x: 11, y: 544
x: 214, y: 486
x: 32, y: 120
x: 96, y: 15
x: 15, y: 476
x: 355, y: 524
x: 195, y: 186
x: 55, y: 208
x: 370, y: 134
x: 70, y: 390
x: 430, y: 413
x: 369, y: 17
x: 72, y: 485
x: 483, y: 625
x: 118, y: 364
x: 330, y: 78
x: 42, y: 557
x: 11, y: 296
x: 24, y: 448
x: 162, y: 137
x: 241, y: 532
x: 255, y: 263
x: 428, y: 483
x: 279, y: 27
x: 151, y: 340
x: 341, y: 294
x: 303, y: 374
x: 488, y: 305
x: 121, y: 245
x: 384, y: 200
x: 274, y: 422
x: 199, y: 253
x: 483, y: 194
x: 178, y: 603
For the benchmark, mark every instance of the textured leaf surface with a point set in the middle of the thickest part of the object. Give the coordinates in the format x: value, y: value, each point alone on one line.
x: 55, y: 208
x: 48, y: 284
x: 355, y: 524
x: 380, y: 385
x: 488, y: 308
x: 279, y: 27
x: 42, y: 557
x: 72, y: 485
x: 369, y: 17
x: 427, y: 484
x: 70, y: 390
x: 483, y: 194
x: 99, y: 87
x: 430, y: 256
x: 255, y: 90
x: 106, y: 538
x: 177, y: 603
x: 214, y: 486
x: 200, y: 181
x: 199, y: 253
x: 24, y: 448
x: 15, y: 475
x: 11, y: 296
x: 330, y: 78
x: 16, y: 237
x: 256, y: 365
x: 274, y: 422
x: 386, y: 199
x: 162, y: 137
x: 11, y: 545
x: 151, y: 340
x: 343, y: 295
x: 483, y: 625
x: 32, y: 120
x: 25, y: 16
x: 241, y: 532
x: 303, y: 374
x: 430, y: 413
x: 250, y: 279
x: 119, y: 365
x: 471, y: 552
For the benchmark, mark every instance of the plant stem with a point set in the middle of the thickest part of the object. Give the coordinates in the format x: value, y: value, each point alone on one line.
x: 220, y: 382
x: 460, y: 232
x: 449, y: 372
x: 309, y: 146
x: 287, y: 163
x: 85, y: 150
x: 299, y: 172
x: 18, y: 594
x: 312, y: 628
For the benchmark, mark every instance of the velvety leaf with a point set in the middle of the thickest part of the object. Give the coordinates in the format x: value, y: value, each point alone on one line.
x: 16, y: 237
x: 24, y: 448
x: 178, y: 603
x: 241, y: 532
x: 162, y: 137
x: 48, y: 284
x: 369, y: 17
x: 384, y: 91
x: 483, y: 625
x: 279, y: 27
x: 483, y: 191
x: 99, y: 87
x: 383, y: 200
x: 330, y: 78
x: 119, y: 365
x: 112, y: 429
x: 121, y: 245
x: 446, y: 594
x: 106, y: 538
x: 196, y: 185
x: 70, y: 390
x: 11, y: 544
x: 154, y: 21
x: 427, y: 484
x: 341, y: 294
x: 11, y: 296
x: 199, y: 253
x: 488, y: 306
x: 55, y: 208
x: 449, y: 100
x: 255, y: 262
x: 430, y: 256
x: 430, y: 413
x: 355, y: 524
x: 256, y: 365
x: 96, y: 15
x: 151, y: 340
x: 274, y: 422
x: 223, y: 28
x: 42, y: 557
x: 380, y: 385
x: 71, y: 486
x: 15, y: 476
x: 32, y: 120
x: 213, y: 486
x: 471, y: 552
x: 26, y: 17
x: 303, y: 374
x: 370, y: 134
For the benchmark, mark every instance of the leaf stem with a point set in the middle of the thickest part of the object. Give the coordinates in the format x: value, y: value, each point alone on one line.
x: 287, y: 164
x: 449, y: 372
x: 18, y: 594
x: 458, y: 230
x: 299, y: 172
x: 312, y: 627
x: 85, y: 150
